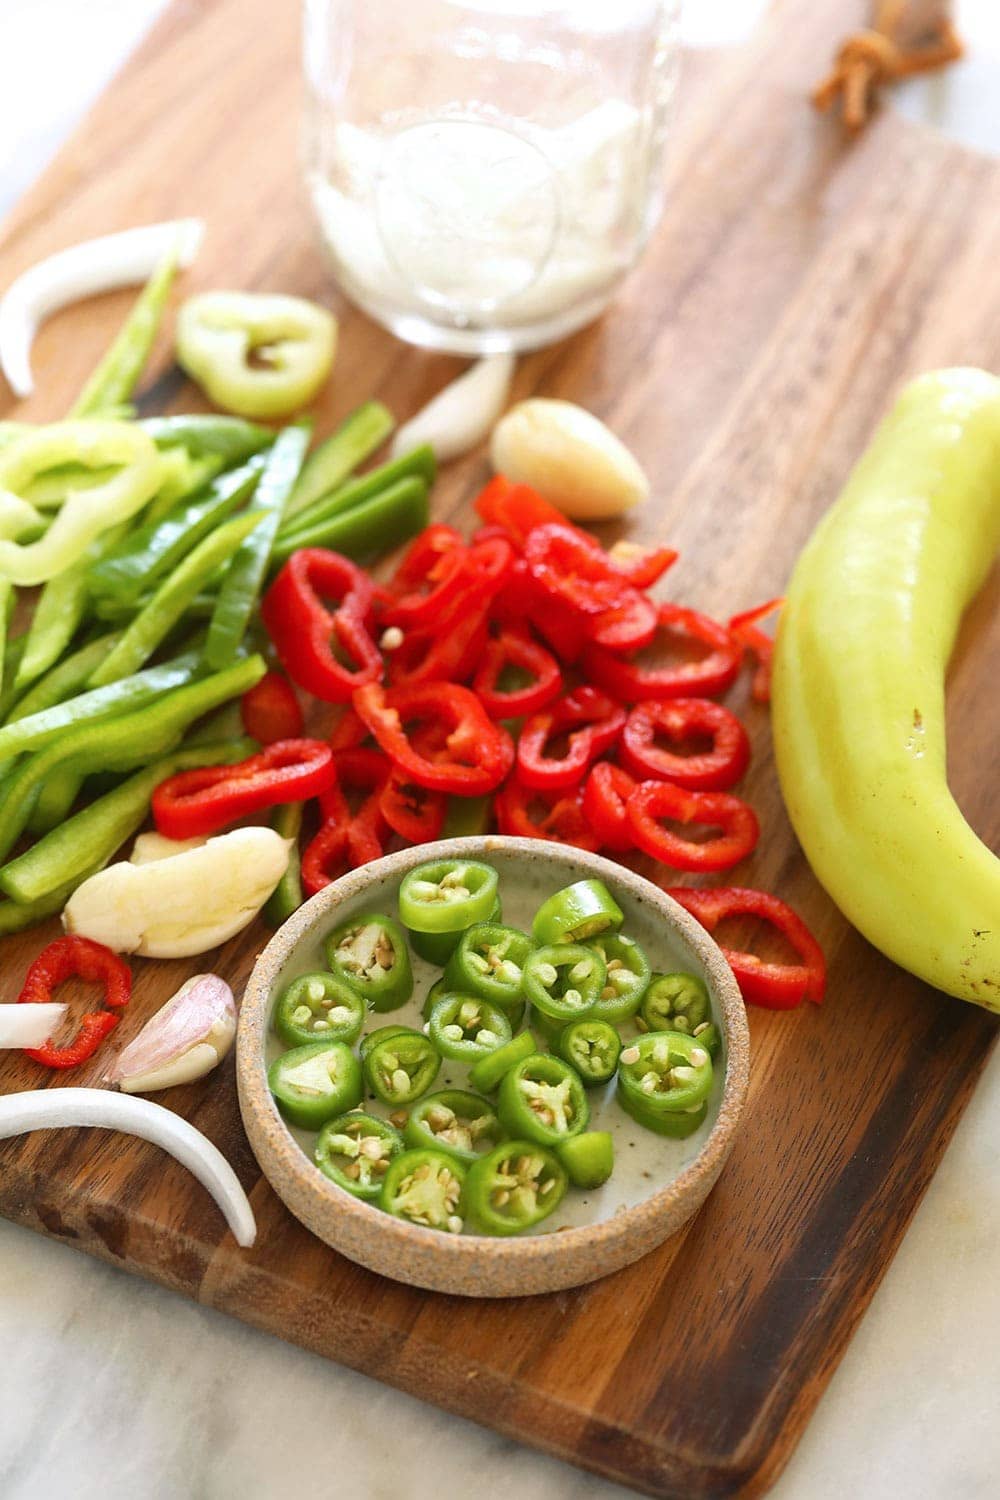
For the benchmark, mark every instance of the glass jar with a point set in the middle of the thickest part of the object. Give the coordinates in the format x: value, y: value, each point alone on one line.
x: 485, y: 172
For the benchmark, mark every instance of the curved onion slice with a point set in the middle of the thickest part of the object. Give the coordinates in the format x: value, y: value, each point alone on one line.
x: 83, y: 270
x: 29, y: 1025
x: 54, y: 1109
x: 461, y: 415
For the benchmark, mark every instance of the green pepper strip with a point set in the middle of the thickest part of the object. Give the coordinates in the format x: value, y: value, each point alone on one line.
x: 123, y: 743
x: 15, y: 916
x: 91, y: 838
x: 170, y: 601
x: 10, y: 690
x: 117, y: 375
x: 58, y: 613
x: 34, y: 727
x: 125, y: 571
x: 420, y: 464
x: 55, y: 800
x: 366, y: 530
x: 339, y: 455
x: 287, y: 895
x: 233, y: 439
x: 187, y: 478
x: 64, y: 680
x: 248, y: 569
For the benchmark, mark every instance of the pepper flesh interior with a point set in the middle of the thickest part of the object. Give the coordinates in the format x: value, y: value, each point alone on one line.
x: 429, y: 1195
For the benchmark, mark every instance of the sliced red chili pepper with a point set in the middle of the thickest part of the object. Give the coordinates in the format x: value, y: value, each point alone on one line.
x: 517, y: 509
x: 710, y: 674
x: 515, y: 648
x: 493, y: 558
x: 574, y: 569
x: 412, y: 811
x: 480, y: 753
x: 627, y: 626
x: 642, y: 566
x: 448, y: 652
x: 348, y: 732
x: 532, y: 814
x: 270, y: 710
x: 81, y: 958
x: 654, y: 800
x: 202, y: 801
x: 749, y: 637
x: 592, y: 721
x: 309, y: 638
x: 778, y: 986
x: 678, y: 720
x: 437, y: 567
x: 347, y: 840
x: 605, y: 795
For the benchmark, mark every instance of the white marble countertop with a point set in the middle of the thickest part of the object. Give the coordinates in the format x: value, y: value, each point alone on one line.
x: 112, y: 1388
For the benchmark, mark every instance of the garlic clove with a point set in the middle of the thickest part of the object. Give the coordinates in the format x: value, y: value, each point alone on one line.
x: 460, y: 417
x: 570, y: 457
x: 151, y: 846
x: 186, y: 1039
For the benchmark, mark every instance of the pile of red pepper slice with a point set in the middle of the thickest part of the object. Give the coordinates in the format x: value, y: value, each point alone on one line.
x: 530, y: 625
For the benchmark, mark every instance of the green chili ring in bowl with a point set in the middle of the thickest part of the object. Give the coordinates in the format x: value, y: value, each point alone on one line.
x: 655, y: 1187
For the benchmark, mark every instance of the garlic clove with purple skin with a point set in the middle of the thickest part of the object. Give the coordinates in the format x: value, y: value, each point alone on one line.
x: 186, y: 1039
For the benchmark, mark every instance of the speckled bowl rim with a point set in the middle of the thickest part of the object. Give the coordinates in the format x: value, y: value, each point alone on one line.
x: 478, y: 1265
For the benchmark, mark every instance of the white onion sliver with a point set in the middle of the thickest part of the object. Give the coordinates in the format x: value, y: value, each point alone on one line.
x: 54, y: 1109
x: 100, y: 265
x: 29, y: 1025
x: 463, y: 413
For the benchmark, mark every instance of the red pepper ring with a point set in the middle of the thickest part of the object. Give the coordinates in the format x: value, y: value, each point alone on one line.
x: 749, y: 637
x: 680, y: 719
x: 304, y: 630
x: 436, y: 569
x: 515, y: 647
x: 642, y: 566
x: 517, y: 509
x: 531, y: 814
x: 775, y: 985
x: 655, y: 800
x: 270, y: 710
x: 605, y: 796
x: 593, y: 722
x: 81, y: 958
x: 627, y: 626
x: 346, y: 840
x: 477, y: 753
x: 203, y: 800
x: 703, y: 678
x: 574, y: 569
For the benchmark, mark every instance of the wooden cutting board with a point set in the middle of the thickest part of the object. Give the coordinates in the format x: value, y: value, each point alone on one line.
x: 795, y: 282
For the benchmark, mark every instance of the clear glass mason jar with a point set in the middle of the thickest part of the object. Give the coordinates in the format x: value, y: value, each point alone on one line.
x: 485, y: 172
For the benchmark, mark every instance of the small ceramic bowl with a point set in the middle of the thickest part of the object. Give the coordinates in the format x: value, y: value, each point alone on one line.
x: 657, y: 1184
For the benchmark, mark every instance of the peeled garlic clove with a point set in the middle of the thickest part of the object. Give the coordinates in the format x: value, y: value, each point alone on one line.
x: 186, y: 1039
x: 151, y: 846
x: 184, y: 903
x: 569, y: 457
x: 460, y: 416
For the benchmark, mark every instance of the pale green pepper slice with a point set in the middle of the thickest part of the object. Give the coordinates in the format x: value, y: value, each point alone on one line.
x: 85, y: 513
x: 254, y: 354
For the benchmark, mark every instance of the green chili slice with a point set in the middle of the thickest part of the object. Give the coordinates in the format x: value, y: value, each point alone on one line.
x: 589, y: 1159
x: 455, y: 1121
x: 664, y: 1079
x: 592, y: 1048
x: 487, y: 1074
x: 399, y: 1069
x: 578, y: 911
x: 355, y: 1150
x: 464, y: 1028
x: 489, y: 961
x: 676, y: 1002
x: 542, y: 1099
x: 370, y: 953
x: 514, y: 1188
x: 318, y: 1008
x: 438, y: 947
x: 564, y: 981
x: 312, y: 1084
x: 447, y: 895
x: 425, y: 1187
x: 627, y: 978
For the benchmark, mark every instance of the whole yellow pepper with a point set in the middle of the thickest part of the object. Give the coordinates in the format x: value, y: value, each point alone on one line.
x: 858, y: 695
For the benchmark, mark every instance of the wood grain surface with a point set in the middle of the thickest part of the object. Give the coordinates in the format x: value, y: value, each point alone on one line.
x: 795, y: 282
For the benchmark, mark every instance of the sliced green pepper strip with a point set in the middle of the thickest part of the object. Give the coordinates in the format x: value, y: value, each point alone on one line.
x: 592, y: 1048
x: 464, y: 1028
x: 85, y: 514
x: 355, y: 1150
x: 425, y: 1187
x: 219, y: 332
x: 447, y: 895
x: 487, y: 1074
x: 541, y: 1099
x: 171, y: 599
x: 318, y: 1008
x: 564, y: 981
x: 578, y: 911
x: 489, y: 961
x: 314, y: 1083
x: 123, y: 743
x: 370, y: 953
x: 399, y: 1068
x: 118, y: 373
x: 438, y: 947
x: 55, y: 800
x: 233, y: 439
x: 627, y: 978
x: 128, y: 569
x: 58, y: 613
x: 184, y: 478
x: 46, y: 712
x: 419, y: 464
x: 287, y: 895
x: 455, y: 1121
x: 366, y: 530
x: 589, y: 1159
x: 676, y: 1002
x: 15, y: 916
x: 664, y: 1079
x: 339, y: 455
x: 89, y: 839
x: 10, y: 689
x: 514, y: 1188
x: 248, y: 569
